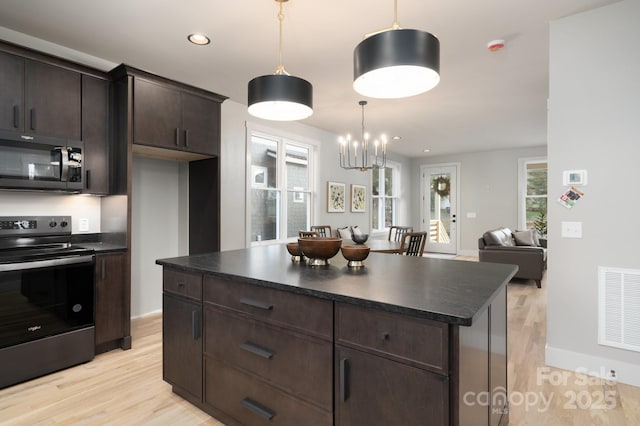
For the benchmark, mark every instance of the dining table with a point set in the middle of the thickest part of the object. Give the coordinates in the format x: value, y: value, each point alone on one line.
x: 383, y: 246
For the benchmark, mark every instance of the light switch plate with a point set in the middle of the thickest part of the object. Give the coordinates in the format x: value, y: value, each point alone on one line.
x: 471, y: 215
x: 571, y: 229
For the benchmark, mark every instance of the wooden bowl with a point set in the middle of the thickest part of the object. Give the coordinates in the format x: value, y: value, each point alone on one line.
x: 295, y: 252
x: 355, y: 255
x: 319, y: 250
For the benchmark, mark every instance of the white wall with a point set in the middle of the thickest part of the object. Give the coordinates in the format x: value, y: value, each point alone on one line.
x: 594, y: 107
x: 43, y: 204
x: 488, y: 183
x: 160, y: 214
x: 233, y: 170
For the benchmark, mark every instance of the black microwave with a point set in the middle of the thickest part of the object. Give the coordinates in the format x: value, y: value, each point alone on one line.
x: 31, y: 162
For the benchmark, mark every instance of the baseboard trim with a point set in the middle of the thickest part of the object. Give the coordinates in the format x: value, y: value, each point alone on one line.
x: 146, y: 314
x: 592, y: 365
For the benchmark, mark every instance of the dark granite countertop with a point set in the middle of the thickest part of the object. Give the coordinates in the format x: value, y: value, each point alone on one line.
x: 100, y: 247
x: 451, y: 291
x: 101, y: 243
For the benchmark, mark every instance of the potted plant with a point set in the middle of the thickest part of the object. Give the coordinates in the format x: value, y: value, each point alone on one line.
x: 540, y: 225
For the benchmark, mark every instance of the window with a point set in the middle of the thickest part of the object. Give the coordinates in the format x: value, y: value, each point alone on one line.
x: 384, y: 190
x: 533, y: 190
x: 280, y: 194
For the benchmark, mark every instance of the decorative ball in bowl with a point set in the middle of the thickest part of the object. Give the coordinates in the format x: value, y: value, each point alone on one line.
x: 295, y: 252
x: 359, y: 238
x: 319, y: 250
x: 355, y: 255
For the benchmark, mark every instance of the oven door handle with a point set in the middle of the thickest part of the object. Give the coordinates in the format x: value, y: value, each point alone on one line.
x: 21, y: 266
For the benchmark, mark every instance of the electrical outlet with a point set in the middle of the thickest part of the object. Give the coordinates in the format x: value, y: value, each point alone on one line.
x: 83, y: 225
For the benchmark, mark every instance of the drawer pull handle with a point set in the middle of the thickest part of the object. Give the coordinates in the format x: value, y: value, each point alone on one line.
x: 256, y: 304
x: 195, y: 324
x: 181, y: 285
x: 385, y: 335
x: 344, y: 379
x: 257, y: 350
x: 16, y: 116
x: 177, y: 136
x: 257, y: 408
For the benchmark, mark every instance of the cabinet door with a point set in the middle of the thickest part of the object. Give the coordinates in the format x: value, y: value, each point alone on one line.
x: 95, y: 134
x: 201, y: 124
x: 182, y: 344
x: 156, y: 112
x: 373, y: 390
x: 52, y: 101
x: 110, y: 283
x: 11, y: 92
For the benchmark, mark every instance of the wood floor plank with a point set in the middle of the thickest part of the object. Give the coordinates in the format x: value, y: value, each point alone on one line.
x: 126, y: 387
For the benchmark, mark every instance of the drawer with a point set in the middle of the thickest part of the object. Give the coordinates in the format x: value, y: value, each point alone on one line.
x: 253, y: 402
x: 420, y: 342
x: 182, y: 283
x: 279, y: 307
x: 300, y: 364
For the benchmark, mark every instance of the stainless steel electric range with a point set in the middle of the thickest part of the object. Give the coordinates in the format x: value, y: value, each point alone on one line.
x: 47, y: 297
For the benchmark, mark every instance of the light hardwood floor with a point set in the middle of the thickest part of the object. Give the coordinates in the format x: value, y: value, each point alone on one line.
x: 126, y: 387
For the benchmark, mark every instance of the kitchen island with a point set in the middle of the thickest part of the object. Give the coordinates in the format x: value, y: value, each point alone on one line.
x: 252, y: 338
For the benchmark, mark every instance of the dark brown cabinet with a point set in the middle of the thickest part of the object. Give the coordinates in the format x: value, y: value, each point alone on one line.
x: 95, y: 134
x: 373, y: 390
x: 169, y: 118
x: 12, y: 92
x: 110, y: 300
x: 182, y: 333
x: 51, y: 102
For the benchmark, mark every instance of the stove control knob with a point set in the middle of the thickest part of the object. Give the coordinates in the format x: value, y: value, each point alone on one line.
x: 53, y: 224
x: 64, y: 223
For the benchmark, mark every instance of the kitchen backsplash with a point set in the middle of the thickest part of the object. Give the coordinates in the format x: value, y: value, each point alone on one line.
x: 84, y: 210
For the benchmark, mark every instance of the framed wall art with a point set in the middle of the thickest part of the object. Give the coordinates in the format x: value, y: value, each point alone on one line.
x: 335, y: 197
x: 358, y: 198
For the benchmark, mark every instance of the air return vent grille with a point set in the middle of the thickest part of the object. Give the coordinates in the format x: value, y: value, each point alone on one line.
x: 619, y: 308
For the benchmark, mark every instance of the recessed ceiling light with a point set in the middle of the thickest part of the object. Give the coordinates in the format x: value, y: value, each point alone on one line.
x: 199, y: 39
x: 426, y: 150
x: 396, y: 138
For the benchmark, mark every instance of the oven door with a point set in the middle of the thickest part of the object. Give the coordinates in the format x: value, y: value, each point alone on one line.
x: 35, y: 162
x: 45, y: 297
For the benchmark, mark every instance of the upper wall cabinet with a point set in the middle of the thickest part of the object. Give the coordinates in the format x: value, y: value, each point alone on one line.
x: 167, y: 117
x: 38, y: 98
x: 95, y: 134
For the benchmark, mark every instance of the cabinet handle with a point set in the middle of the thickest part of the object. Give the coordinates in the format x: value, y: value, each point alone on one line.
x: 86, y: 178
x: 257, y: 350
x: 385, y: 335
x: 16, y: 116
x: 186, y: 137
x: 33, y: 118
x: 177, y: 136
x: 195, y: 325
x: 181, y: 285
x: 256, y: 304
x: 257, y: 408
x: 344, y: 379
x: 104, y: 272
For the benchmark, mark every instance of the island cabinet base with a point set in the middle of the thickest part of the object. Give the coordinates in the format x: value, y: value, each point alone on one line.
x: 268, y: 356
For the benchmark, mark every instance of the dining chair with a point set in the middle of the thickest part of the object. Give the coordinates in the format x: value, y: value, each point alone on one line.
x: 413, y: 243
x: 396, y: 232
x: 308, y: 234
x: 323, y: 230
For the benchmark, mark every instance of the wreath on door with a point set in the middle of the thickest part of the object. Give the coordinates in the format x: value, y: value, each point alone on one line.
x: 442, y: 186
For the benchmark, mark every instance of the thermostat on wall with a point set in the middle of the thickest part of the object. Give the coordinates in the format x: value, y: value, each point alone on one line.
x: 574, y: 177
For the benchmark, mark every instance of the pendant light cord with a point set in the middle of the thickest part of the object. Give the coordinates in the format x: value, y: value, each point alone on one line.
x: 280, y: 70
x: 396, y: 24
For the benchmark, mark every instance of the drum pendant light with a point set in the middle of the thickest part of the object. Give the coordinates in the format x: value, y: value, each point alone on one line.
x: 280, y: 96
x: 396, y: 63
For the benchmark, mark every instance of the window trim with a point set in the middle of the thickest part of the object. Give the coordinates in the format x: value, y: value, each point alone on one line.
x: 522, y: 187
x: 282, y: 138
x: 397, y: 174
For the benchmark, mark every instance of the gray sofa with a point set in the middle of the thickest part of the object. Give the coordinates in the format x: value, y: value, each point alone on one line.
x: 519, y: 248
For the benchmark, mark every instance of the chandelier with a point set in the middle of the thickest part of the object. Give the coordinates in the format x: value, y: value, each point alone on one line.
x: 354, y: 155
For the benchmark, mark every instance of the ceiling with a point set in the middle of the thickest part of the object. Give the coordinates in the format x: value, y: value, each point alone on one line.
x: 485, y: 100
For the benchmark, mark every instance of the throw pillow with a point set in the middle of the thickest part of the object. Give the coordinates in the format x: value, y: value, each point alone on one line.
x: 356, y: 230
x: 345, y: 233
x: 524, y: 238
